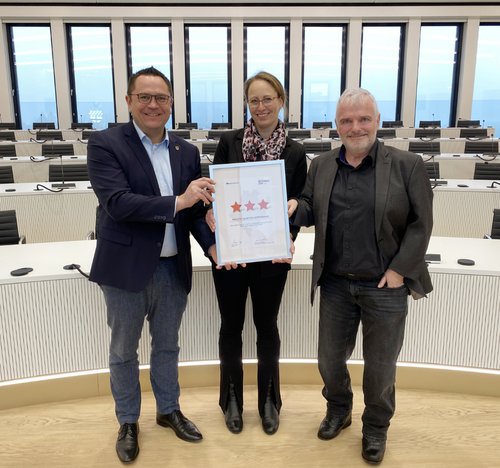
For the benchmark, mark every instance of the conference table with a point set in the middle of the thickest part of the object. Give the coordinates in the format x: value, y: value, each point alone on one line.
x: 53, y: 320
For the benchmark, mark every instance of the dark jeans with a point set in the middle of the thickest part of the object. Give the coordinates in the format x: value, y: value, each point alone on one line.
x: 382, y: 312
x: 232, y: 290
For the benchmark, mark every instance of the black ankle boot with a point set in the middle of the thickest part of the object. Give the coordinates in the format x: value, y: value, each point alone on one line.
x: 234, y: 420
x: 270, y: 416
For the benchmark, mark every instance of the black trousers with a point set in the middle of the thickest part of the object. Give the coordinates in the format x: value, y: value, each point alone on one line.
x: 232, y: 290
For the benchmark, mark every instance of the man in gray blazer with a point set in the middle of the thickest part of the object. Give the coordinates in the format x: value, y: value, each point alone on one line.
x: 371, y: 206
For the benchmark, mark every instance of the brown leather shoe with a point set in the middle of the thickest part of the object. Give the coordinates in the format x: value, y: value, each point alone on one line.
x: 182, y: 426
x: 331, y: 426
x: 373, y: 450
x: 127, y: 445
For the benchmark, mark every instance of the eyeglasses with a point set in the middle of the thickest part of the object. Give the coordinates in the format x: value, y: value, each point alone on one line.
x: 267, y: 101
x: 161, y: 99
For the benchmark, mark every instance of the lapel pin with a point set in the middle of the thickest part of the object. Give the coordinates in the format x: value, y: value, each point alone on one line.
x: 177, y: 147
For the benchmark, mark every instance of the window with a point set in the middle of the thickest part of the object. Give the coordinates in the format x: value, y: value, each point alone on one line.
x: 381, y: 67
x: 438, y: 73
x: 266, y: 49
x: 32, y: 68
x: 207, y: 74
x: 91, y: 77
x: 486, y: 98
x: 323, y: 77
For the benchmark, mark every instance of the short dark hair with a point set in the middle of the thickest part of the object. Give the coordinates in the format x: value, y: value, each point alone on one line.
x: 151, y: 71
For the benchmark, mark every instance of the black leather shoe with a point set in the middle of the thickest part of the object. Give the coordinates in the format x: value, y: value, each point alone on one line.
x: 373, y: 450
x: 270, y: 417
x: 331, y: 426
x: 127, y: 445
x: 182, y: 426
x: 232, y: 415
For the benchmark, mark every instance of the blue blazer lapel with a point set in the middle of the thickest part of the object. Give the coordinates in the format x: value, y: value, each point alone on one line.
x: 174, y: 149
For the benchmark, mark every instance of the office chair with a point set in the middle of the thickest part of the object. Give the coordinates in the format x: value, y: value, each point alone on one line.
x: 209, y: 147
x: 495, y: 225
x: 58, y: 149
x: 187, y: 125
x: 6, y: 175
x: 425, y: 147
x: 215, y: 134
x: 481, y: 147
x: 9, y: 232
x: 205, y: 171
x: 299, y: 134
x: 7, y: 136
x: 49, y: 135
x: 432, y: 169
x: 292, y: 125
x: 115, y: 124
x: 317, y: 147
x: 322, y: 124
x: 473, y: 133
x: 392, y: 123
x: 44, y: 125
x: 427, y: 133
x: 334, y: 133
x: 386, y: 133
x: 220, y: 125
x: 186, y: 134
x: 91, y: 235
x: 430, y: 123
x: 8, y: 125
x: 65, y: 172
x: 8, y: 151
x: 86, y: 134
x: 81, y: 125
x: 486, y: 171
x: 468, y: 123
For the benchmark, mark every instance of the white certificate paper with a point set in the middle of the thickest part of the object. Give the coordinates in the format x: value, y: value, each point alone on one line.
x: 250, y: 211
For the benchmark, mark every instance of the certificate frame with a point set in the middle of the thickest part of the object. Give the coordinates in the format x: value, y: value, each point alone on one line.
x: 250, y: 210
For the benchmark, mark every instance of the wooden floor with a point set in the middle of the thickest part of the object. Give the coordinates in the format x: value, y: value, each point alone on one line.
x: 429, y: 430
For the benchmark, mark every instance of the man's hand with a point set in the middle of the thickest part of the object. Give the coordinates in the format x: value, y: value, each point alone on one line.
x: 198, y: 190
x: 292, y: 206
x: 392, y: 279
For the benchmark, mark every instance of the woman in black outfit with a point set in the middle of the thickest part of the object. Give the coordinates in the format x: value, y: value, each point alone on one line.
x: 262, y: 139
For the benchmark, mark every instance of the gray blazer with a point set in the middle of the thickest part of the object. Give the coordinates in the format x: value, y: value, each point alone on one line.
x: 403, y: 213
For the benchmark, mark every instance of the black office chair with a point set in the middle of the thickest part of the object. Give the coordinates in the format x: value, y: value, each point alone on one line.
x: 481, y: 147
x: 6, y: 175
x: 385, y: 133
x: 86, y: 134
x: 322, y: 124
x: 487, y: 171
x: 7, y: 136
x: 495, y: 225
x: 427, y: 133
x: 215, y: 134
x: 8, y: 125
x: 187, y: 125
x: 300, y: 134
x: 115, y: 124
x: 58, y: 149
x: 205, y: 171
x: 392, y: 123
x: 186, y: 134
x: 425, y: 147
x: 473, y: 133
x: 9, y: 232
x: 8, y: 151
x: 220, y: 125
x: 81, y: 125
x: 317, y: 147
x: 65, y: 172
x: 49, y: 135
x: 468, y: 123
x: 209, y: 147
x: 334, y: 133
x: 432, y: 169
x: 43, y: 125
x: 430, y: 123
x: 292, y: 125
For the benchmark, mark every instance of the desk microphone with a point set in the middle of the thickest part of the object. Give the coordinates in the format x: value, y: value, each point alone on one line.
x: 493, y: 184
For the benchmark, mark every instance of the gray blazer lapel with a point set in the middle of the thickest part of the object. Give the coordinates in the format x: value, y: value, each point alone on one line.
x: 382, y: 176
x: 326, y: 177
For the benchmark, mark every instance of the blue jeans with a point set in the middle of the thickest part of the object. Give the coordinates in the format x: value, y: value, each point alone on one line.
x: 162, y: 302
x: 382, y: 312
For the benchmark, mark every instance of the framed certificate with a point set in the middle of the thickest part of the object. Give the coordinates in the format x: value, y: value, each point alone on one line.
x: 250, y: 211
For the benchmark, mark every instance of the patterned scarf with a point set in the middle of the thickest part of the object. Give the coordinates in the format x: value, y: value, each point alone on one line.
x: 255, y: 148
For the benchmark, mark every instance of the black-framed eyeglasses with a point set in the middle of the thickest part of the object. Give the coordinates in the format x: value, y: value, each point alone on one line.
x: 267, y: 101
x: 144, y: 98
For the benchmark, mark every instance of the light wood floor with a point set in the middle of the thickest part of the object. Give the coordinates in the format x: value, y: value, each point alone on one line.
x: 429, y: 430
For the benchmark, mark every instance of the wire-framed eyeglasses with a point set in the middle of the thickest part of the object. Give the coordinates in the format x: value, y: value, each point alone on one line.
x: 161, y: 99
x: 267, y: 101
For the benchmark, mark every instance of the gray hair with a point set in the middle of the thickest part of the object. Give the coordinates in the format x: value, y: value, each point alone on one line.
x: 355, y: 95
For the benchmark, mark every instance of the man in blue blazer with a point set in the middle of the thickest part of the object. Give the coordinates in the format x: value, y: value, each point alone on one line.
x: 151, y: 199
x: 371, y: 206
